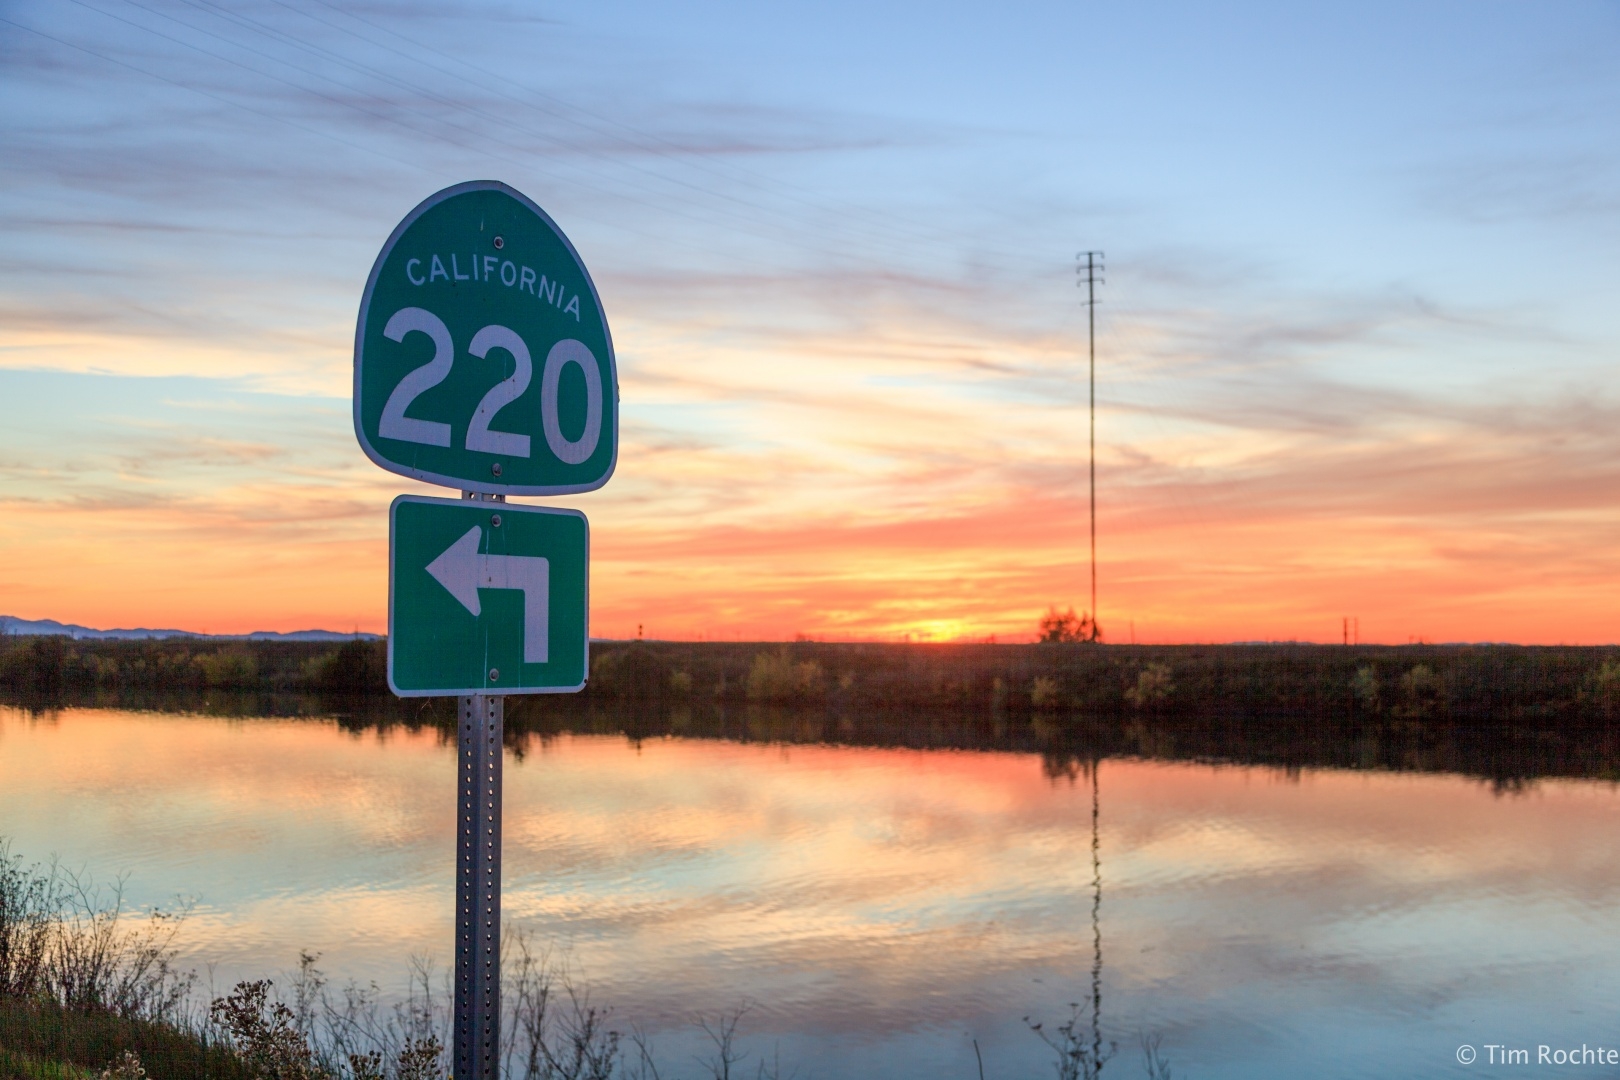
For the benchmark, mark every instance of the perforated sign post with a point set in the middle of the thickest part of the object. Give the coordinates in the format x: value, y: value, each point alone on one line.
x: 482, y: 361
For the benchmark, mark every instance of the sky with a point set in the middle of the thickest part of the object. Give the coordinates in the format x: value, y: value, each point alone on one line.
x: 1355, y: 344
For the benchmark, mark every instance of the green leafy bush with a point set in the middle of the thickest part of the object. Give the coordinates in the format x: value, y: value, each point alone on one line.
x: 1153, y: 686
x: 776, y: 677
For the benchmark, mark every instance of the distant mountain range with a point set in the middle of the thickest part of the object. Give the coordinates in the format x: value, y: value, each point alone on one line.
x: 10, y: 624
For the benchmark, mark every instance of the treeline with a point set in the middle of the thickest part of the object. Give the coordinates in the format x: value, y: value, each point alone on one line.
x: 50, y: 665
x: 1487, y: 681
x: 1496, y: 682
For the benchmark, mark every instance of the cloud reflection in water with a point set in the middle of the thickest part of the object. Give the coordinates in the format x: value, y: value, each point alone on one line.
x: 880, y: 906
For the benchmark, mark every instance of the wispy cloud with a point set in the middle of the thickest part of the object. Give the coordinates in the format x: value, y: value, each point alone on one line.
x: 851, y: 352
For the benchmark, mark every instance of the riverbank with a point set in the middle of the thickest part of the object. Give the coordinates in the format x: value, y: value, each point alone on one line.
x: 1499, y: 683
x: 41, y: 1040
x: 82, y: 985
x: 84, y: 996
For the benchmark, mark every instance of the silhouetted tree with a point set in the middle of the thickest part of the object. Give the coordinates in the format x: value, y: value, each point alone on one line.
x: 1069, y: 627
x: 359, y: 667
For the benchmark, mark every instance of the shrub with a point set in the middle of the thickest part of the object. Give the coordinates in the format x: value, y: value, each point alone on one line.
x: 230, y: 668
x: 127, y: 1067
x: 775, y: 677
x: 1365, y: 688
x: 36, y: 664
x: 1422, y: 691
x: 1078, y: 1057
x: 1606, y: 685
x: 1153, y: 686
x: 632, y: 672
x: 1043, y: 692
x: 263, y: 1033
x: 1068, y: 627
x: 30, y: 904
x: 358, y: 667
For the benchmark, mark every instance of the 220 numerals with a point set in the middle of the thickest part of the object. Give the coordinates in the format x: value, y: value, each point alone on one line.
x: 394, y: 424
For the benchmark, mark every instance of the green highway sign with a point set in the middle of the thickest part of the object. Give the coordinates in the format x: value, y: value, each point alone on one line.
x: 486, y: 598
x: 482, y: 359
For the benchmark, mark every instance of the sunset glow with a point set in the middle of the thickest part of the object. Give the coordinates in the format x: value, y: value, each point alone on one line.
x: 1356, y: 348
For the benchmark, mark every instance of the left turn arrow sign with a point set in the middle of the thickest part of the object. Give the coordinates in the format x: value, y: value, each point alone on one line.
x: 463, y: 571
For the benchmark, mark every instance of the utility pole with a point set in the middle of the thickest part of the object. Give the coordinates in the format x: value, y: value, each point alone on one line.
x: 1089, y: 274
x: 1096, y: 916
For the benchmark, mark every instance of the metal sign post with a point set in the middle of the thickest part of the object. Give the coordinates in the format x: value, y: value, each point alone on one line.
x: 476, y: 1051
x: 482, y: 361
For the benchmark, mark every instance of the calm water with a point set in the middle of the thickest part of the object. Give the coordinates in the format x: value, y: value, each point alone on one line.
x: 881, y: 908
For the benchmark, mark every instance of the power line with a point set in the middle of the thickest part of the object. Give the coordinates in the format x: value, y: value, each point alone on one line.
x: 1090, y: 275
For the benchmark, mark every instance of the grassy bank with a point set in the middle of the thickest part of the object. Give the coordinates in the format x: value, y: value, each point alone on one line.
x: 81, y: 984
x: 42, y: 1039
x: 1487, y: 682
x: 88, y: 994
x: 87, y: 990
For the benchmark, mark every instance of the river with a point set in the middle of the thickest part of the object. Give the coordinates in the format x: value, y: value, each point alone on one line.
x: 878, y: 910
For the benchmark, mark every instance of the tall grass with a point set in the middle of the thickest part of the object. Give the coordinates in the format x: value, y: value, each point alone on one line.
x: 88, y: 993
x: 82, y: 983
x: 66, y: 941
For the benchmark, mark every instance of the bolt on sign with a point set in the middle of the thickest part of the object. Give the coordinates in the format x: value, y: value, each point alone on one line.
x: 482, y: 358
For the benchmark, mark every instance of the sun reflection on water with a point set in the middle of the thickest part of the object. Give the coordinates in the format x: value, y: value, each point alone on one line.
x: 879, y: 905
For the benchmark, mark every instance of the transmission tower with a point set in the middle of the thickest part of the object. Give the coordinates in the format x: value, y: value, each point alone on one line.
x: 1089, y: 274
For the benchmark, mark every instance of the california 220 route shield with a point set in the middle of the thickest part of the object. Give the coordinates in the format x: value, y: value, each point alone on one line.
x: 482, y: 359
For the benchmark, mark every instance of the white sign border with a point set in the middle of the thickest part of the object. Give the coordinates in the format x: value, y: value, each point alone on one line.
x: 490, y: 487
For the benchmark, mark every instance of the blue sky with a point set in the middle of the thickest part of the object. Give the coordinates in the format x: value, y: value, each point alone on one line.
x: 1357, y: 338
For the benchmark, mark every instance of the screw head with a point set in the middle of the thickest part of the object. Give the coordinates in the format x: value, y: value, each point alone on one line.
x: 495, y: 520
x: 499, y: 243
x: 494, y: 673
x: 495, y: 469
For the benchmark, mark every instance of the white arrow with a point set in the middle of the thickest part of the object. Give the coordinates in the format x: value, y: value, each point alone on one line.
x: 462, y: 571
